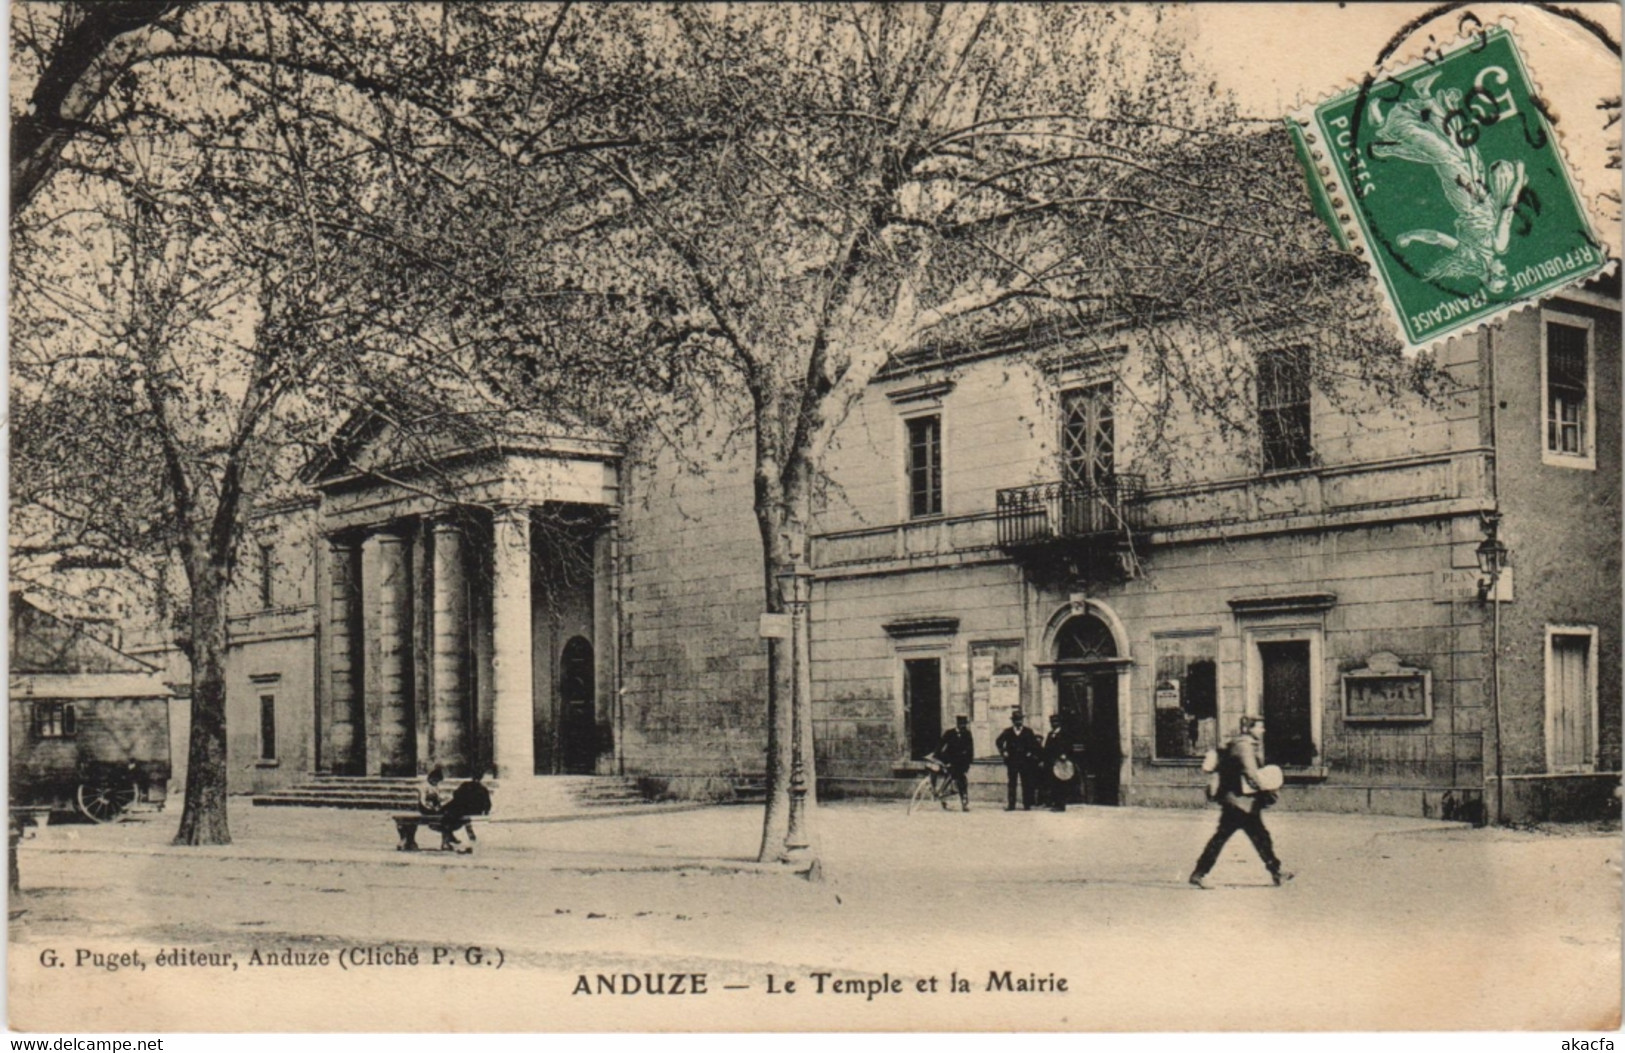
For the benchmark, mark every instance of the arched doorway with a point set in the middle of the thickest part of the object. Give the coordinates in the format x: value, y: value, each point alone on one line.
x: 1086, y: 667
x: 578, y: 726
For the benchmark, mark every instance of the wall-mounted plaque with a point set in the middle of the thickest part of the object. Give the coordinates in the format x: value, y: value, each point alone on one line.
x: 1388, y: 692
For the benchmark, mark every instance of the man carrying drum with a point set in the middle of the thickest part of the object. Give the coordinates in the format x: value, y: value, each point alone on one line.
x: 1244, y: 790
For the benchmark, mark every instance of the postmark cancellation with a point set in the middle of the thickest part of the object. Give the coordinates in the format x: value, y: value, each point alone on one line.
x: 1447, y: 178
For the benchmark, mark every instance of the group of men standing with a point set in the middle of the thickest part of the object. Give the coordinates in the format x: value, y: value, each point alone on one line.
x: 1027, y: 761
x: 1034, y: 765
x: 1237, y: 784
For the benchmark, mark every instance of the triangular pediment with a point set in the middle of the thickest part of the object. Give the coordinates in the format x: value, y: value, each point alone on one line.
x: 376, y: 443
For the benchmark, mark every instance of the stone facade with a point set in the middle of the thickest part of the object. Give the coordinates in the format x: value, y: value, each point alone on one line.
x: 1339, y: 597
x: 1561, y: 521
x: 388, y: 624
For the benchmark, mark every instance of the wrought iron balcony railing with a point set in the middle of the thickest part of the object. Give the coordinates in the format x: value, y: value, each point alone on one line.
x: 1051, y: 512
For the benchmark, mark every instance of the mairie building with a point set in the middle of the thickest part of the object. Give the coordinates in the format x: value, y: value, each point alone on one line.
x: 1014, y: 524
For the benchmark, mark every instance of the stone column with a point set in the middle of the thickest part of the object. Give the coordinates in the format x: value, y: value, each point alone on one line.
x: 513, y: 703
x: 343, y: 728
x: 371, y: 690
x: 605, y: 632
x: 387, y: 589
x: 448, y: 710
x: 422, y: 646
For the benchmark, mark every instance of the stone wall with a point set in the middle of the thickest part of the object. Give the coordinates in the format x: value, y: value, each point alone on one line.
x: 1383, y: 523
x: 693, y: 668
x: 1562, y: 526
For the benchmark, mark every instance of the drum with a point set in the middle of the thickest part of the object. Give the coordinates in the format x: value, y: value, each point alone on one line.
x: 1064, y: 770
x: 1270, y: 778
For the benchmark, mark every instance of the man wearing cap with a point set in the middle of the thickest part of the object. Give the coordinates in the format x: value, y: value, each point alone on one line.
x: 956, y: 751
x: 1242, y: 803
x: 1057, y: 747
x: 1018, y: 745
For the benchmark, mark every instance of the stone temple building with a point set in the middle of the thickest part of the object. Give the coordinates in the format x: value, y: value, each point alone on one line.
x: 1006, y: 525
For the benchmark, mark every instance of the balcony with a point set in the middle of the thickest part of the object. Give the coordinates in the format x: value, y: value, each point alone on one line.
x: 1048, y: 513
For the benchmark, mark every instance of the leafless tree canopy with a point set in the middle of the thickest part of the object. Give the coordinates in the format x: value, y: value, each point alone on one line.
x: 237, y: 224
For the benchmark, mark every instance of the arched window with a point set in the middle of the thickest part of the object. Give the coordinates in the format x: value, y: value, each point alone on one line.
x: 1085, y: 637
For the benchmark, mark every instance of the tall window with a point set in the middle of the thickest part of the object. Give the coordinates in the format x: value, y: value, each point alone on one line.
x: 55, y: 720
x: 925, y: 466
x: 1568, y: 391
x: 267, y: 727
x: 1088, y: 443
x: 267, y: 557
x: 1283, y: 408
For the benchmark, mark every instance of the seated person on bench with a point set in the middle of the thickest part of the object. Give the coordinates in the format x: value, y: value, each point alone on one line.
x: 430, y: 799
x: 449, y: 814
x: 432, y: 802
x: 472, y: 798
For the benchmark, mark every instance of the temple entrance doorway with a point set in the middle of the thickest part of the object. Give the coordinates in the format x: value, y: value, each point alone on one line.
x: 578, y: 727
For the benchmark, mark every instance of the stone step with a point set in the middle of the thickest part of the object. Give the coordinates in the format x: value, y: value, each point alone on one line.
x: 281, y: 800
x: 566, y: 794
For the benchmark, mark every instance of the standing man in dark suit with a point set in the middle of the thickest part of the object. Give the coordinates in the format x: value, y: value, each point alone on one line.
x: 1057, y: 746
x: 1018, y: 745
x: 956, y: 751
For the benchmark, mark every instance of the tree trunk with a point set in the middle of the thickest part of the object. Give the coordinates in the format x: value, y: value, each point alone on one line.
x: 203, y: 817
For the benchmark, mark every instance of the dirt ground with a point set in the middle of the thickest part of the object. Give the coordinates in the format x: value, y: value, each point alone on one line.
x: 1390, y: 924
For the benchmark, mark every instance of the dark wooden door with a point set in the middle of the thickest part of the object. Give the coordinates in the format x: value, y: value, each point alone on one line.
x: 1288, y: 732
x: 922, y: 704
x: 1087, y: 703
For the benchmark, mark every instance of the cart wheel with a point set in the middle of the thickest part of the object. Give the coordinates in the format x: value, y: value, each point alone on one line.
x: 104, y: 802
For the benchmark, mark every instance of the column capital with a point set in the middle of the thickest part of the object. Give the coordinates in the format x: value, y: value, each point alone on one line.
x: 445, y: 523
x: 511, y: 510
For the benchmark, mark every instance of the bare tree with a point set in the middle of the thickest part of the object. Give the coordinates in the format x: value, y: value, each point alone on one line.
x: 238, y: 223
x: 200, y: 288
x: 623, y: 207
x: 831, y: 187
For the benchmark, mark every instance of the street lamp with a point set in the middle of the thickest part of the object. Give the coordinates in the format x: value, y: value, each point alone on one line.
x: 1492, y: 558
x: 1492, y: 562
x: 795, y: 586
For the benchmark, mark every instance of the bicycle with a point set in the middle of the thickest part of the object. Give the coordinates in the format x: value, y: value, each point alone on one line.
x: 937, y: 785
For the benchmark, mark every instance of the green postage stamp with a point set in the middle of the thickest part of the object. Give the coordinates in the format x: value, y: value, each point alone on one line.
x: 1447, y: 178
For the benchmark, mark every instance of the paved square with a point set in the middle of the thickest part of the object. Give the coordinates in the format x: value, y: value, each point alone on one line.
x: 1397, y: 923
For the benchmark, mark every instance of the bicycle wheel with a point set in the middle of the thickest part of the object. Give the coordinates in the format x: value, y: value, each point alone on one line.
x: 924, y: 794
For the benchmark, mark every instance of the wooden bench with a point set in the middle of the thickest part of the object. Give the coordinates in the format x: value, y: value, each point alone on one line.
x: 406, y: 828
